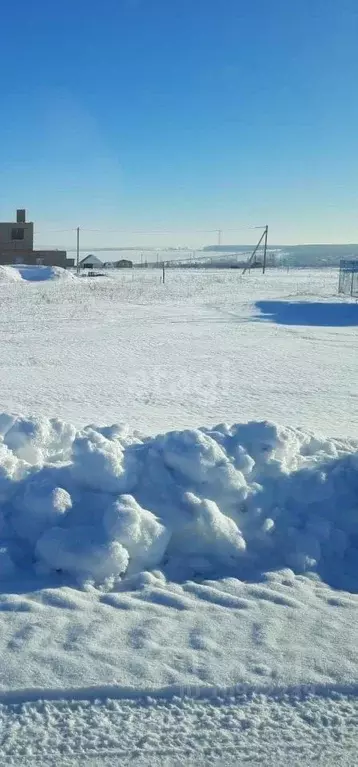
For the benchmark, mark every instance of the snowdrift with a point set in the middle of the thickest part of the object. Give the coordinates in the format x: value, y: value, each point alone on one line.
x: 105, y: 503
x: 22, y: 272
x: 9, y: 274
x: 41, y: 273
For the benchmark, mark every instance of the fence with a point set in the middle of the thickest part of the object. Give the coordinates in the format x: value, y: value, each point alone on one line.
x: 348, y: 277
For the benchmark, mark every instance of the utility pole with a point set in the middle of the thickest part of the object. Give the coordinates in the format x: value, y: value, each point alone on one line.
x: 265, y: 250
x: 163, y: 272
x: 78, y: 251
x: 253, y: 254
x: 219, y: 236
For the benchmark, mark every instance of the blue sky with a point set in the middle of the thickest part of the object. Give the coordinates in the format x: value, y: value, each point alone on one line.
x: 179, y: 116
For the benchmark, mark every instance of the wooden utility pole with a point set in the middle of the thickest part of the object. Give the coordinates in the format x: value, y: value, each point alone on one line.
x: 163, y: 272
x: 253, y: 254
x: 78, y: 251
x: 265, y: 250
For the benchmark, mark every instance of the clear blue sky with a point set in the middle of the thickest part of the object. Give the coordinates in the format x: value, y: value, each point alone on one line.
x: 181, y: 115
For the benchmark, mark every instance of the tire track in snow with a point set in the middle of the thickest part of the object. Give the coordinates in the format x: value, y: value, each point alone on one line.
x: 178, y: 692
x: 226, y: 729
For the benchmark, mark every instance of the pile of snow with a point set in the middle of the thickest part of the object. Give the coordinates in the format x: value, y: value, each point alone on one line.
x: 9, y: 274
x: 41, y: 273
x: 34, y: 273
x: 104, y: 503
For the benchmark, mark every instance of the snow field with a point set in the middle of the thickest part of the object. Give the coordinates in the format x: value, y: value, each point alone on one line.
x: 166, y: 560
x: 197, y: 350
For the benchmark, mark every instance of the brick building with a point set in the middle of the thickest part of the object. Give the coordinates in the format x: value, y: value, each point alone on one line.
x: 17, y: 245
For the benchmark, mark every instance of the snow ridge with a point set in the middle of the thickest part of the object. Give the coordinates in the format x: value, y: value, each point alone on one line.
x: 105, y: 503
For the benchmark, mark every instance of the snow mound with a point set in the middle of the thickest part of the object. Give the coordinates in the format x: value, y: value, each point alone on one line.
x: 103, y: 503
x: 42, y: 273
x: 9, y: 274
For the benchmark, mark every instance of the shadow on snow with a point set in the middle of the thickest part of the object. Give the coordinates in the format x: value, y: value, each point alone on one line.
x: 318, y: 314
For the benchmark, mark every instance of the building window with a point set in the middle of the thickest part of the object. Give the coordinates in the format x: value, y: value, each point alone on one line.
x: 17, y: 234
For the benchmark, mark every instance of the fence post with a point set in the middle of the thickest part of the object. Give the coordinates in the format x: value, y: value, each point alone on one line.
x: 78, y: 251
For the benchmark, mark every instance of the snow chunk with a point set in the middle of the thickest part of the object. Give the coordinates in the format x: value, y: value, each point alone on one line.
x: 37, y: 440
x: 193, y: 454
x: 77, y: 551
x: 202, y: 465
x: 38, y: 507
x: 209, y: 539
x: 12, y: 470
x: 139, y: 531
x: 102, y: 464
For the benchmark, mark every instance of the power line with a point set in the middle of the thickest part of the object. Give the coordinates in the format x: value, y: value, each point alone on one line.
x: 183, y: 230
x: 111, y: 248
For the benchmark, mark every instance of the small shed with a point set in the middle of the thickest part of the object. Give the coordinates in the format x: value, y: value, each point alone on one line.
x: 124, y: 263
x: 91, y: 262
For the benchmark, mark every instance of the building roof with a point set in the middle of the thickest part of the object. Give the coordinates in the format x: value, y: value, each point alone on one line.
x: 90, y: 259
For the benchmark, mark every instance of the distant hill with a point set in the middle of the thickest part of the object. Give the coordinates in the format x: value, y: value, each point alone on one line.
x: 298, y: 255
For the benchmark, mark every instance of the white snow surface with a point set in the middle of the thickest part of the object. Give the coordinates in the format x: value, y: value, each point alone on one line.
x: 9, y: 274
x: 196, y: 350
x: 186, y: 596
x: 225, y: 728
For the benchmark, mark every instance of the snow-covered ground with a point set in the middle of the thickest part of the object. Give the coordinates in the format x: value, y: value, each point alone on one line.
x: 190, y: 597
x: 195, y: 351
x: 291, y: 727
